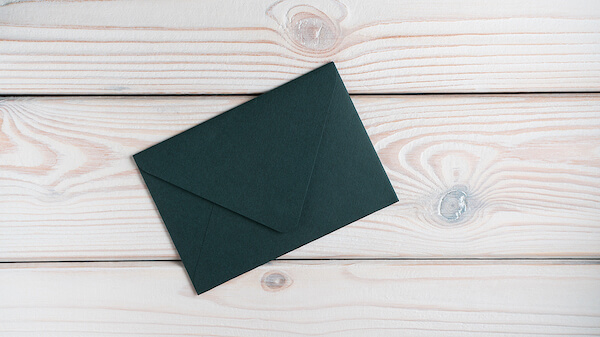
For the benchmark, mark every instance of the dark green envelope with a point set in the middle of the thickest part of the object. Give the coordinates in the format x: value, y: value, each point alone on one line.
x: 265, y: 178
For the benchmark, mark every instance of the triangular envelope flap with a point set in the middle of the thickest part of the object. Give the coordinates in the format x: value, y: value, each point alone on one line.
x: 255, y: 159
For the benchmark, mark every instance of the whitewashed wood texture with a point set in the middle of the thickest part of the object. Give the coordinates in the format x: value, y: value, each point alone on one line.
x: 230, y: 46
x: 478, y: 176
x: 527, y: 168
x: 284, y: 298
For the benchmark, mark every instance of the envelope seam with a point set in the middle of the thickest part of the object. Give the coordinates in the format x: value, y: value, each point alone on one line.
x: 335, y: 86
x: 202, y: 242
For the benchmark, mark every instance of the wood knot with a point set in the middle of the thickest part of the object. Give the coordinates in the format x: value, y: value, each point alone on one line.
x: 307, y: 27
x: 453, y: 205
x: 314, y: 32
x: 275, y: 281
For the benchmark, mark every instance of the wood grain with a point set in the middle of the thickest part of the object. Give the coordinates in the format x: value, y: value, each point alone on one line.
x: 229, y: 46
x: 477, y: 176
x: 332, y: 298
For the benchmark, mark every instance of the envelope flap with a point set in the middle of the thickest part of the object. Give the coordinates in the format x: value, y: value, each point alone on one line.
x: 257, y: 158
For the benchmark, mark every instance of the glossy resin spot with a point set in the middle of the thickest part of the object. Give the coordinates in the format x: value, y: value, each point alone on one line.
x: 453, y: 205
x: 275, y: 281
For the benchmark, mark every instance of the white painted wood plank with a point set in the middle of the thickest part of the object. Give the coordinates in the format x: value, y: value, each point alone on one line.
x: 324, y: 298
x: 229, y: 46
x: 526, y: 167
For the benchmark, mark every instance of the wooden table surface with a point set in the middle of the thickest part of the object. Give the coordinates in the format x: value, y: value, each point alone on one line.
x: 485, y: 114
